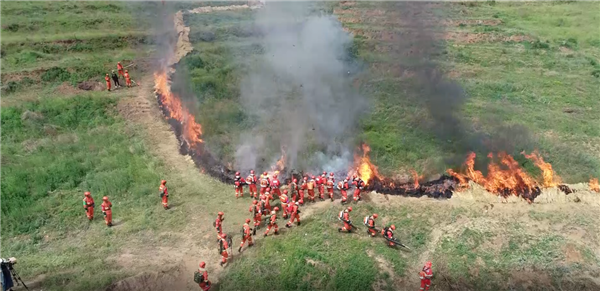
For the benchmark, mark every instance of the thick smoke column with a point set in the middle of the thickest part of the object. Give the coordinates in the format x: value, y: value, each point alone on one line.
x: 299, y: 92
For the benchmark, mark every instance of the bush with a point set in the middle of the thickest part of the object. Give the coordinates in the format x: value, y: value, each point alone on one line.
x: 56, y: 74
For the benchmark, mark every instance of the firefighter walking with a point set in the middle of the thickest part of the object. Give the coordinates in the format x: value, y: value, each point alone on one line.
x: 88, y: 205
x: 275, y: 184
x: 239, y: 185
x: 294, y: 189
x: 251, y: 181
x: 359, y: 185
x: 273, y: 222
x: 310, y: 186
x: 294, y: 214
x: 329, y: 186
x: 107, y: 79
x: 164, y: 194
x: 303, y: 187
x: 219, y: 224
x: 425, y: 276
x: 344, y: 216
x: 283, y: 198
x: 264, y: 183
x: 256, y: 213
x: 107, y: 211
x: 343, y: 187
x: 201, y: 277
x: 223, y: 249
x: 246, y: 235
x: 370, y: 224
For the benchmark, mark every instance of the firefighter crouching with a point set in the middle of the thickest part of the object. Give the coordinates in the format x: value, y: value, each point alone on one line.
x: 344, y: 216
x: 273, y: 222
x: 370, y: 224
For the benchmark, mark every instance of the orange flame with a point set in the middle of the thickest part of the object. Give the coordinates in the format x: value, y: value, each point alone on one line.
x: 550, y: 178
x: 416, y: 178
x: 594, y: 185
x: 363, y: 166
x: 505, y: 177
x: 192, y: 131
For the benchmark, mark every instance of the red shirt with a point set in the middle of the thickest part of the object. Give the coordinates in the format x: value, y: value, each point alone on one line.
x: 106, y: 206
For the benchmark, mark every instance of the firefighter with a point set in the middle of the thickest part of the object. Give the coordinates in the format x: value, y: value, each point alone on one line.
x: 164, y: 194
x: 343, y: 187
x: 264, y: 183
x: 294, y: 214
x: 275, y: 184
x: 107, y: 78
x: 329, y: 186
x: 224, y: 246
x: 262, y: 202
x: 273, y: 222
x: 425, y: 276
x: 284, y: 203
x: 370, y: 224
x: 251, y: 181
x: 294, y: 188
x: 388, y: 233
x: 88, y: 205
x: 107, y: 211
x: 303, y: 187
x: 127, y: 79
x: 120, y: 68
x: 344, y: 216
x: 204, y: 283
x: 359, y: 185
x: 321, y: 184
x: 256, y: 213
x: 219, y: 224
x: 246, y: 235
x: 310, y: 186
x: 239, y: 185
x: 268, y: 198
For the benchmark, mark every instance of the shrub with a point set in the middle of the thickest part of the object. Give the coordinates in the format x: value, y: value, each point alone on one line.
x: 56, y: 74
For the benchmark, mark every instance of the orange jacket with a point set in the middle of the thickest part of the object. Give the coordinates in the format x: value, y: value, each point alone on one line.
x: 106, y: 206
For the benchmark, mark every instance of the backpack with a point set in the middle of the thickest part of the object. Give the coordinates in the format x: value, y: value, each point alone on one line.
x: 341, y: 217
x: 243, y: 234
x: 198, y: 278
x: 366, y: 221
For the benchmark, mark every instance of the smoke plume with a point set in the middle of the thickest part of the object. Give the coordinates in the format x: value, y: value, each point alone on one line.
x: 299, y: 92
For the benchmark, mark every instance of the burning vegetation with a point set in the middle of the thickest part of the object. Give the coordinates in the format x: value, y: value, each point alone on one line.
x: 594, y: 185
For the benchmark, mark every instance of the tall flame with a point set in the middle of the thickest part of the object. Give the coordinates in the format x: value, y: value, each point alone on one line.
x: 594, y: 185
x: 550, y: 178
x: 363, y: 166
x: 416, y: 178
x: 192, y: 131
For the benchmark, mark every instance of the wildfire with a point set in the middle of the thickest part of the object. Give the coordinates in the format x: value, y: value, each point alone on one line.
x: 363, y: 166
x: 594, y: 185
x: 281, y: 162
x: 550, y: 178
x: 504, y: 177
x: 192, y: 131
x: 416, y: 178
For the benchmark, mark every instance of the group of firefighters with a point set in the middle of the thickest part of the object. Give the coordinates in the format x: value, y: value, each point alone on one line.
x: 123, y: 73
x: 261, y: 206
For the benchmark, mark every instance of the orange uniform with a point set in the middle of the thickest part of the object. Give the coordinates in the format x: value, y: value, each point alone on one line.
x: 88, y: 205
x: 275, y: 184
x: 239, y: 185
x: 284, y: 202
x: 310, y: 186
x: 120, y: 68
x: 294, y: 214
x: 359, y: 185
x: 294, y: 188
x: 272, y: 223
x: 303, y: 187
x: 127, y: 79
x: 267, y: 202
x: 343, y: 187
x: 264, y: 183
x: 246, y: 235
x: 369, y: 222
x: 256, y: 213
x: 321, y: 185
x: 107, y: 211
x: 204, y: 283
x: 164, y: 194
x: 344, y: 216
x: 224, y: 245
x: 219, y: 224
x: 425, y: 276
x: 251, y: 181
x: 329, y: 186
x: 107, y: 78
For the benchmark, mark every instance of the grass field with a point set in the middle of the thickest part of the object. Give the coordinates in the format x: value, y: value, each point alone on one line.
x: 520, y: 64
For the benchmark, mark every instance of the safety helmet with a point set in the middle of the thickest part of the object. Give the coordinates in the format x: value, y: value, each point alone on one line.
x: 163, y: 182
x: 268, y: 192
x: 312, y: 177
x: 324, y: 173
x: 119, y: 63
x: 254, y: 202
x: 262, y: 197
x: 251, y: 172
x: 393, y: 227
x: 305, y: 178
x: 285, y: 191
x: 349, y: 208
x: 297, y: 203
x: 354, y: 176
x: 87, y: 193
x: 220, y: 213
x: 105, y: 198
x: 295, y: 180
x: 276, y: 208
x: 107, y: 75
x: 202, y: 264
x: 428, y: 264
x: 274, y: 175
x: 247, y: 220
x: 331, y: 174
x: 237, y: 173
x: 223, y: 235
x: 347, y: 178
x: 375, y: 215
x: 273, y: 212
x: 265, y: 173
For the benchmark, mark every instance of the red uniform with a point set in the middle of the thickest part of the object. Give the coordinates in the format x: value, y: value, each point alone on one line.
x: 388, y: 233
x: 369, y: 222
x: 239, y: 186
x: 344, y: 216
x: 264, y: 184
x: 268, y: 198
x: 272, y: 223
x: 321, y: 184
x: 303, y: 187
x: 294, y: 214
x: 224, y: 249
x: 329, y: 187
x: 107, y: 82
x: 310, y: 186
x: 127, y: 79
x: 204, y: 284
x: 284, y: 203
x: 275, y: 184
x: 164, y: 194
x: 343, y: 187
x: 107, y: 211
x: 219, y: 224
x: 88, y: 205
x: 359, y: 185
x: 425, y: 276
x: 120, y: 68
x: 246, y: 236
x: 294, y: 189
x: 251, y: 181
x: 256, y: 213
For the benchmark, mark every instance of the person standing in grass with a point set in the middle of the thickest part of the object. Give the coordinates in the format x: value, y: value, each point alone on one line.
x: 88, y: 205
x: 127, y: 79
x: 115, y: 79
x: 425, y: 276
x: 120, y: 69
x: 107, y: 82
x: 107, y: 211
x: 164, y: 194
